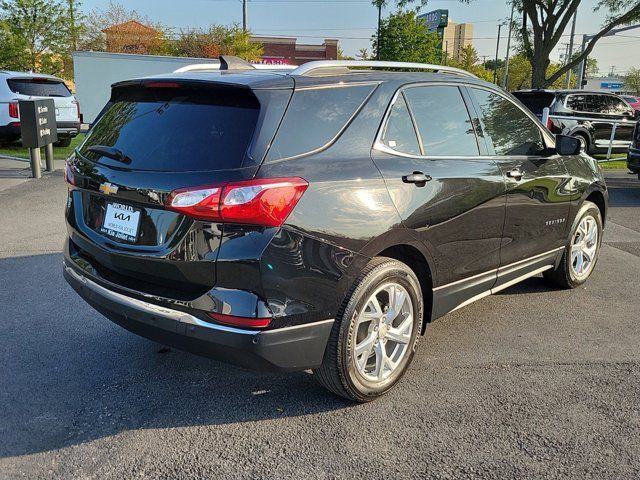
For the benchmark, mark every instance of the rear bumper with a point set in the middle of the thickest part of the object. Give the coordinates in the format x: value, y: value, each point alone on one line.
x: 633, y: 160
x: 290, y: 348
x: 9, y: 132
x: 68, y: 129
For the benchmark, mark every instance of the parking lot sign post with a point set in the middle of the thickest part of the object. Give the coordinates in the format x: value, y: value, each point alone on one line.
x: 38, y: 129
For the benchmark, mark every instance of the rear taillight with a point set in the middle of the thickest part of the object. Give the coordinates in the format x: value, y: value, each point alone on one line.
x: 69, y: 176
x: 77, y: 107
x: 14, y: 111
x: 267, y: 202
x: 246, y: 322
x: 549, y: 123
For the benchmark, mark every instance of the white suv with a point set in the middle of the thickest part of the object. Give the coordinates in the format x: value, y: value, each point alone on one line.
x: 16, y: 86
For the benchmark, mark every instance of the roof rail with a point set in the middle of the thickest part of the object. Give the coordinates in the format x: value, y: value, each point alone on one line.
x: 228, y: 62
x: 307, y: 68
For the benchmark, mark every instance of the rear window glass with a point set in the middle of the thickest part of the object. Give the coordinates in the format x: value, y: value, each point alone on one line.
x: 535, y: 101
x: 36, y: 87
x: 316, y: 116
x: 176, y: 129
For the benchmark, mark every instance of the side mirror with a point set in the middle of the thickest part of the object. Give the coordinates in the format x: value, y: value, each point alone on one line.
x: 566, y: 145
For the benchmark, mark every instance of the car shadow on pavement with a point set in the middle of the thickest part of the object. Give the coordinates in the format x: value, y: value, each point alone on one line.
x: 531, y: 285
x: 70, y: 376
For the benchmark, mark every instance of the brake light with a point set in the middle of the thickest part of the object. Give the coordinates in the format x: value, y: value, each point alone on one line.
x: 549, y: 123
x: 267, y: 202
x: 77, y: 107
x: 162, y: 85
x: 69, y: 177
x: 14, y: 112
x: 247, y: 322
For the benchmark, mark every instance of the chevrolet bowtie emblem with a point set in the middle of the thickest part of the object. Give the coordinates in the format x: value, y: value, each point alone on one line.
x: 108, y: 188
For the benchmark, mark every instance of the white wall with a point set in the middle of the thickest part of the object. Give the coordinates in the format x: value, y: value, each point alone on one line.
x: 95, y: 72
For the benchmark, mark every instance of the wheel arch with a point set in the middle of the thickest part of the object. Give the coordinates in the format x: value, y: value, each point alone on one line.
x: 597, y: 197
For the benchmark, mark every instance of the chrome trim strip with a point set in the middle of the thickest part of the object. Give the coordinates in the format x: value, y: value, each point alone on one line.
x: 170, y: 313
x: 505, y: 267
x: 593, y: 119
x: 503, y: 287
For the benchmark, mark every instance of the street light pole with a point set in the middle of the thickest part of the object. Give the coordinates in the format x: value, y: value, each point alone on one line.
x: 245, y: 15
x: 379, y: 26
x: 567, y: 78
x: 505, y: 79
x: 495, y: 66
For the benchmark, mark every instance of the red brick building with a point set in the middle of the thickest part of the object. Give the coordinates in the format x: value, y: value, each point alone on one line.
x: 287, y: 50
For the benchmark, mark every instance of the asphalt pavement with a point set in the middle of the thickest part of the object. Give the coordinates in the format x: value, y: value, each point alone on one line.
x: 531, y: 383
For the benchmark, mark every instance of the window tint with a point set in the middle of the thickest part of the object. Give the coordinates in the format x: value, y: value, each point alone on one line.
x: 576, y: 103
x: 314, y: 117
x: 617, y: 106
x: 176, y: 130
x: 535, y: 101
x: 443, y: 123
x: 597, y: 104
x: 508, y: 128
x: 399, y: 133
x: 38, y: 87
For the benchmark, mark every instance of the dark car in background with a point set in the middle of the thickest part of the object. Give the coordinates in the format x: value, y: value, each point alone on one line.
x: 320, y: 218
x: 588, y: 116
x: 633, y: 156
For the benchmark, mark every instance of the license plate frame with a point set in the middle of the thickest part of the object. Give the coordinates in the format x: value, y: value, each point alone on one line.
x: 121, y: 222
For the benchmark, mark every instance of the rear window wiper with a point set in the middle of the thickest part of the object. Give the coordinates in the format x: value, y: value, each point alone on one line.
x: 110, y: 152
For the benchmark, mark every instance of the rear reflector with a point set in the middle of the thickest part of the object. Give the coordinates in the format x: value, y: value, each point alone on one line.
x: 267, y: 202
x: 240, y: 321
x: 13, y: 110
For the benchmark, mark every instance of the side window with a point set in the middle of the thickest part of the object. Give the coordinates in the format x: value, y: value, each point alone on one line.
x: 315, y: 117
x: 399, y: 133
x: 576, y: 103
x: 617, y: 106
x: 443, y: 122
x: 508, y: 128
x: 597, y: 104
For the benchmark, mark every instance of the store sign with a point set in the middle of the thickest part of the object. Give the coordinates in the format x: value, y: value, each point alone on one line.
x: 612, y: 85
x: 38, y: 122
x: 274, y: 61
x: 436, y: 19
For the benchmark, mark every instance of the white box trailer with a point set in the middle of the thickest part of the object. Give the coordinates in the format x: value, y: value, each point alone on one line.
x: 95, y: 72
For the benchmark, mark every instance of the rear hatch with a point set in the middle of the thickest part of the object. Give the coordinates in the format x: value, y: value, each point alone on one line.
x: 535, y: 101
x: 25, y: 88
x: 154, y: 138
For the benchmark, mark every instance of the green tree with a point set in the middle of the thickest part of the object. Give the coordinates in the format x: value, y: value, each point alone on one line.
x: 470, y: 61
x: 363, y: 54
x: 404, y: 39
x: 545, y: 21
x: 217, y: 40
x: 632, y: 80
x: 36, y: 31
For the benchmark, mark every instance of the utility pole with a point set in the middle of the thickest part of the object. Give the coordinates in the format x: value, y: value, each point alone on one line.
x: 567, y: 78
x: 585, y: 39
x: 245, y: 15
x: 505, y: 79
x: 379, y: 26
x: 495, y: 67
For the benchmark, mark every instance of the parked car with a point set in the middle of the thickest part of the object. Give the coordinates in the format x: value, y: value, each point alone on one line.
x: 16, y: 86
x: 319, y: 219
x: 634, y: 102
x: 633, y: 156
x: 587, y: 116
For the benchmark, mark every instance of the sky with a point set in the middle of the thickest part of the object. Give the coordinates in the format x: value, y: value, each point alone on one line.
x: 354, y: 21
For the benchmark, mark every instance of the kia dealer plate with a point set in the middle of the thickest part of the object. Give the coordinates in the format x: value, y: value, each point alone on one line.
x: 121, y: 222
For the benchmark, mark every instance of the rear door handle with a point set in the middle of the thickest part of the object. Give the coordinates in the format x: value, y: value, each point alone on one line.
x: 418, y: 178
x: 516, y: 174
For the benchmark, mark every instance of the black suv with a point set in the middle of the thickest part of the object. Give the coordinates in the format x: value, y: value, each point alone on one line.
x: 588, y: 116
x: 320, y: 218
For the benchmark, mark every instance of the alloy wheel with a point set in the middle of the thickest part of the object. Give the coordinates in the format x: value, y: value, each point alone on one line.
x: 584, y: 247
x: 383, y: 332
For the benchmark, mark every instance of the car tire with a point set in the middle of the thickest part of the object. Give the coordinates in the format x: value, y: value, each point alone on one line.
x: 63, y: 142
x: 373, y: 342
x: 574, y: 268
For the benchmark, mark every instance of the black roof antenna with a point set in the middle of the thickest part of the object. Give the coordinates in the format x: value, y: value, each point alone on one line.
x: 229, y: 62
